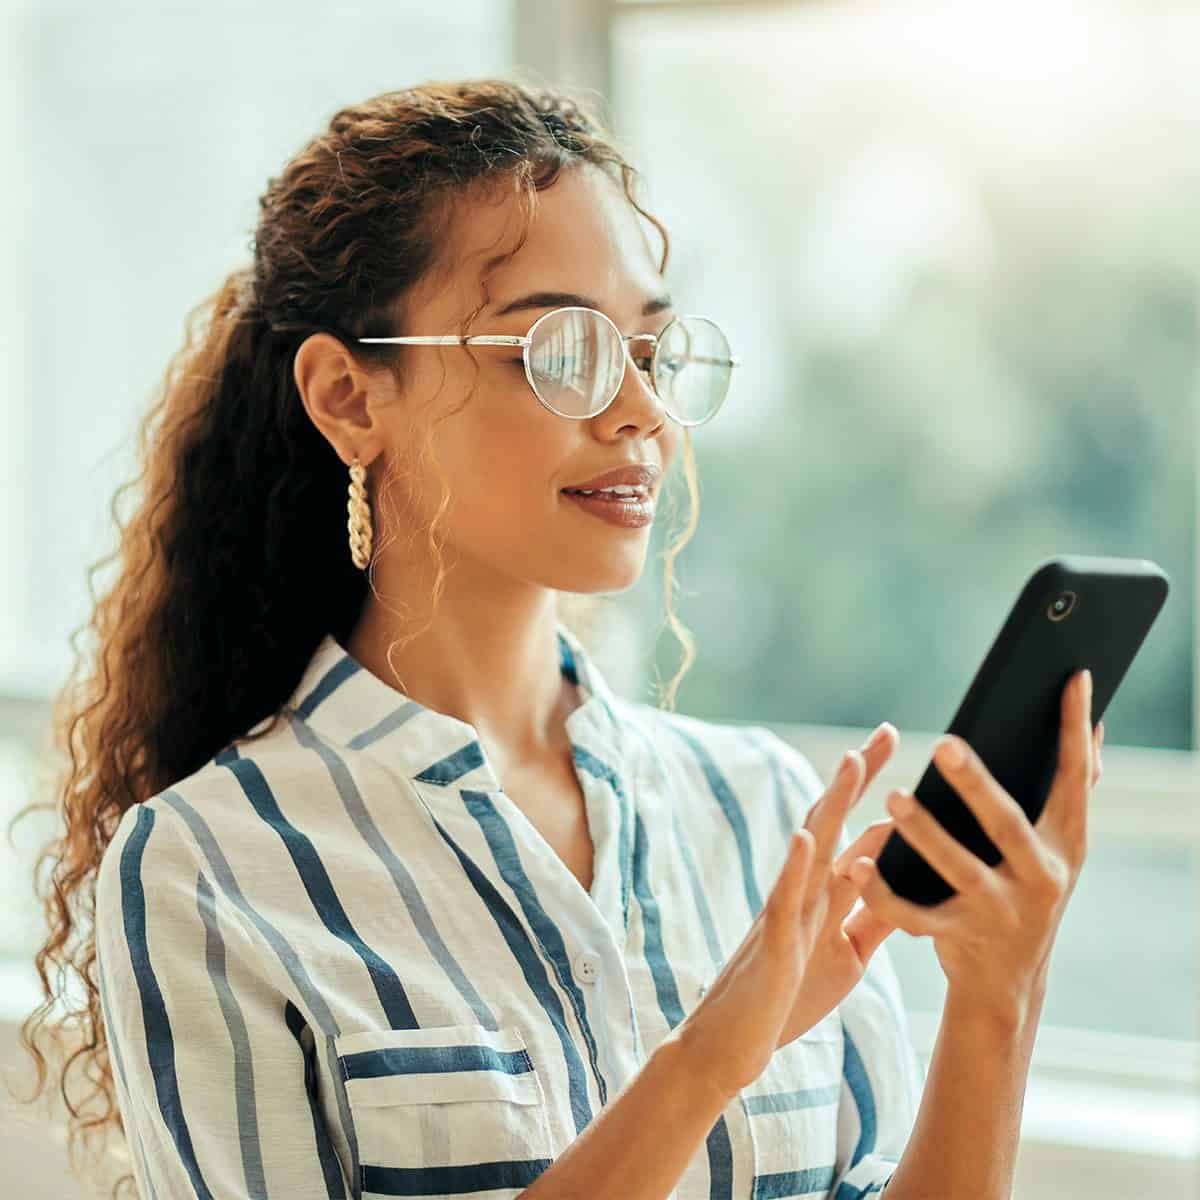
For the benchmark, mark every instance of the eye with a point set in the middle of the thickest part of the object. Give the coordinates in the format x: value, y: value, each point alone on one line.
x: 642, y: 355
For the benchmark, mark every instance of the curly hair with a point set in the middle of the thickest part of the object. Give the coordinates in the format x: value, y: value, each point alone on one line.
x: 199, y: 638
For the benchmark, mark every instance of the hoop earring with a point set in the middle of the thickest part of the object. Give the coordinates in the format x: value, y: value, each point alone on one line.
x: 359, y: 524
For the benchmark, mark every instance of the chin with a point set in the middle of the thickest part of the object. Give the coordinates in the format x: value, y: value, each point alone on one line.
x: 577, y: 574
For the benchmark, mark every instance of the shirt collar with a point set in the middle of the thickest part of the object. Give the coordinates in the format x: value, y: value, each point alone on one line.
x: 344, y: 702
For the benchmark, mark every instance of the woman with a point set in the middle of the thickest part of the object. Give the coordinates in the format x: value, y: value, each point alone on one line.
x: 394, y: 896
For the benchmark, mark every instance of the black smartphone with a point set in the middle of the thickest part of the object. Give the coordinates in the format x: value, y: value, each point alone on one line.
x: 1074, y: 611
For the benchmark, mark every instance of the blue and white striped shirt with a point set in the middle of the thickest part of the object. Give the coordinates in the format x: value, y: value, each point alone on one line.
x: 340, y: 961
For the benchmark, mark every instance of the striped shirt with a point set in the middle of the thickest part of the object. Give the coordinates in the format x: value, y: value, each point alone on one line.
x: 339, y: 960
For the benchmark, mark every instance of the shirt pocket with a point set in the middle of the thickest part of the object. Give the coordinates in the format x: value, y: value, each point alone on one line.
x: 791, y: 1110
x: 445, y: 1111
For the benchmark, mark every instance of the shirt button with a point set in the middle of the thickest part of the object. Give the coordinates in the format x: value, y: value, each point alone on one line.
x: 587, y: 967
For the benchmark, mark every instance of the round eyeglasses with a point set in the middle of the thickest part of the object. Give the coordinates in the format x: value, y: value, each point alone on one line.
x: 574, y: 360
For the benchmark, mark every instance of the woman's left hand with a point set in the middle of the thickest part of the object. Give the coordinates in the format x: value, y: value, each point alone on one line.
x: 993, y: 938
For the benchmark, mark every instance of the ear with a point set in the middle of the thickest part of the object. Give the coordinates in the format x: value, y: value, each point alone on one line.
x: 336, y: 392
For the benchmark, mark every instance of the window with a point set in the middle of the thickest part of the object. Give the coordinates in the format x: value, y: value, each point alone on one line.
x: 955, y: 248
x: 138, y: 139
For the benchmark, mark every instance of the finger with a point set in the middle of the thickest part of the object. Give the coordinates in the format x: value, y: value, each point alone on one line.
x: 867, y: 931
x: 914, y: 919
x: 801, y: 926
x: 1000, y: 816
x: 842, y: 893
x: 1097, y: 742
x: 826, y: 817
x: 790, y: 886
x: 876, y: 751
x: 962, y: 869
x: 1064, y: 815
x: 868, y: 844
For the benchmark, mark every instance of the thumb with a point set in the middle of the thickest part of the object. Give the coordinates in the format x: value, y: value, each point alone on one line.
x: 865, y: 928
x: 867, y: 931
x: 868, y: 844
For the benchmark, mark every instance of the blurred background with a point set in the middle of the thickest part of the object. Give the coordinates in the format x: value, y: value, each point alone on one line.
x: 957, y: 248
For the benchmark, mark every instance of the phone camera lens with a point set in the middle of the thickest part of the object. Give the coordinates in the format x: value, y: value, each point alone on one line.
x: 1061, y: 606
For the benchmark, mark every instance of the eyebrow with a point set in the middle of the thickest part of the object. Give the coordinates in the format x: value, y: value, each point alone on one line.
x: 568, y: 299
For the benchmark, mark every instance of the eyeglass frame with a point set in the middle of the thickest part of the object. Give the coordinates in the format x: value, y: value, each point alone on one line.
x: 525, y: 341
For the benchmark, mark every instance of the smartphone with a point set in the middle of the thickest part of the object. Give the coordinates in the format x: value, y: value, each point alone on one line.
x: 1074, y: 611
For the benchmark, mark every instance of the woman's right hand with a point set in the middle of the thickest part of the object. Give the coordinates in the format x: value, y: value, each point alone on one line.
x: 743, y: 1018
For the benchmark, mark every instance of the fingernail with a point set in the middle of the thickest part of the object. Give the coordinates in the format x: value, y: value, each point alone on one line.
x: 876, y: 737
x: 949, y: 752
x: 847, y: 760
x: 1087, y: 684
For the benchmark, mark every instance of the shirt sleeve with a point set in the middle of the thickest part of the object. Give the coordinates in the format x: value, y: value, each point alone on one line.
x: 214, y: 1068
x: 882, y: 1075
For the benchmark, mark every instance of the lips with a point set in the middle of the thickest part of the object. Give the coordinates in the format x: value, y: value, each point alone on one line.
x: 612, y: 497
x: 643, y: 475
x: 630, y: 511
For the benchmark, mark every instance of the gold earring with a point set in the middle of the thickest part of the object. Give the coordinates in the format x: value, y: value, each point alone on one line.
x: 359, y: 523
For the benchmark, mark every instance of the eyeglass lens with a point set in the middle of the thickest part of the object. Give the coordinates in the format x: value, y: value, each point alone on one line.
x: 577, y: 361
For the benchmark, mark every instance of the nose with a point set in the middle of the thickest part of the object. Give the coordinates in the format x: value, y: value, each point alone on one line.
x: 637, y: 394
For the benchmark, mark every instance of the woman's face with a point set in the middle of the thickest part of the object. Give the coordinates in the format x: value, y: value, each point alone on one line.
x: 506, y: 457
